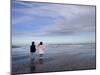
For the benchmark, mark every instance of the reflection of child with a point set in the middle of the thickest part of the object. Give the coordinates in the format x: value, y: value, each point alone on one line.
x: 41, y: 65
x: 41, y: 49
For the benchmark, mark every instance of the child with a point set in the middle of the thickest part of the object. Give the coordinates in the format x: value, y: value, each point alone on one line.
x: 32, y: 48
x: 41, y: 49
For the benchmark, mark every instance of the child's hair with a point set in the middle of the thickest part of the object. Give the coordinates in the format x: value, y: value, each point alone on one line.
x: 41, y: 43
x: 33, y: 43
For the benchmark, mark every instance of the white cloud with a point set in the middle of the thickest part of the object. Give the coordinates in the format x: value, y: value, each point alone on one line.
x: 74, y: 18
x: 81, y: 19
x: 22, y: 19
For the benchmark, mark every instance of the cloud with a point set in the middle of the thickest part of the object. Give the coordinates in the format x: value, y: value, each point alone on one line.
x: 76, y: 19
x: 67, y: 19
x: 26, y: 4
x: 22, y: 19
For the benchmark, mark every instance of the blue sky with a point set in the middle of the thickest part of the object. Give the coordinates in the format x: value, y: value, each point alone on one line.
x: 52, y: 23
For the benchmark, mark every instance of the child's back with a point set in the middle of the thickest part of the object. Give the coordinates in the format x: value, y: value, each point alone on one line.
x: 32, y: 48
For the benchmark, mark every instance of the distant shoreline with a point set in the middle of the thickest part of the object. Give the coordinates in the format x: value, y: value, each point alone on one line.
x: 71, y: 43
x: 15, y: 46
x: 18, y: 46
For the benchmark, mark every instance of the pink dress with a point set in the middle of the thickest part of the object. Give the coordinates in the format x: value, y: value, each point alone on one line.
x: 41, y: 49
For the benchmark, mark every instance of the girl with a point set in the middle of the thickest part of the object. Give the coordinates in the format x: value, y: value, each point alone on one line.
x: 41, y: 49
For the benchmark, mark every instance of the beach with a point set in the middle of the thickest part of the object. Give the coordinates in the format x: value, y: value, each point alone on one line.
x: 58, y: 57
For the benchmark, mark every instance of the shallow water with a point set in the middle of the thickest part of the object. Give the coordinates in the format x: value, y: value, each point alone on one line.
x: 58, y: 57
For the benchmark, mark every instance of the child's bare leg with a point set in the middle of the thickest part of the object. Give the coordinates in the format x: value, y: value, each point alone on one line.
x: 31, y: 55
x: 41, y: 55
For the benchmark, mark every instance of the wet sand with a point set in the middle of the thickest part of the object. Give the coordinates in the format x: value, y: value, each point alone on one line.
x: 57, y: 58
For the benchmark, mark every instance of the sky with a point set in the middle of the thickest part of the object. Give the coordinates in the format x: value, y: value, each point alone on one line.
x: 52, y: 23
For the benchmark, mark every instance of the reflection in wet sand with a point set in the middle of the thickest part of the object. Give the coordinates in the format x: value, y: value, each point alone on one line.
x: 41, y: 65
x: 82, y: 57
x: 32, y: 65
x: 36, y: 67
